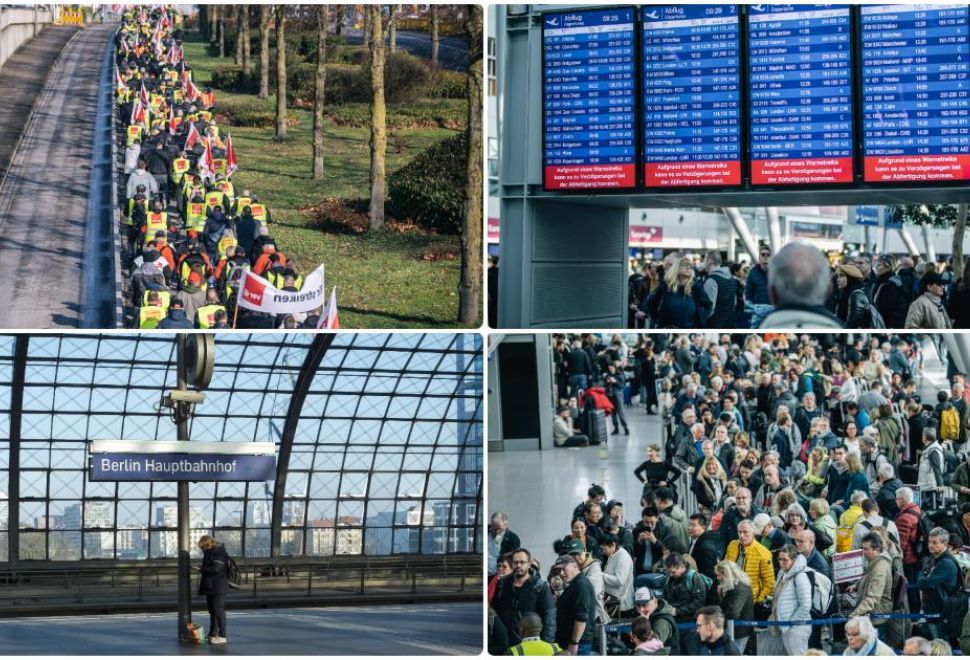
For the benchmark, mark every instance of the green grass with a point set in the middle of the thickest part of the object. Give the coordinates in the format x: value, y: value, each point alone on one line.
x: 381, y: 279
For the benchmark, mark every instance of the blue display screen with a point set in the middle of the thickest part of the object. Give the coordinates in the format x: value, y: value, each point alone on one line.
x: 801, y: 104
x: 589, y: 100
x: 692, y: 95
x: 916, y: 99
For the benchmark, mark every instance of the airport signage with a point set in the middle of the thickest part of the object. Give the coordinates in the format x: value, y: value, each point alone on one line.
x: 752, y: 98
x: 122, y: 460
x: 589, y: 99
x: 692, y: 95
x: 916, y: 92
x: 847, y: 566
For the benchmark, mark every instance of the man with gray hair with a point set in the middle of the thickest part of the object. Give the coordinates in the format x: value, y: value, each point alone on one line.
x: 886, y: 491
x: 938, y: 579
x: 917, y: 646
x: 799, y: 283
x: 724, y: 290
x: 505, y: 538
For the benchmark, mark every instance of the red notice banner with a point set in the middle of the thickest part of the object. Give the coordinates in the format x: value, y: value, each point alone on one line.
x: 589, y: 177
x: 801, y: 171
x: 708, y: 173
x: 917, y: 169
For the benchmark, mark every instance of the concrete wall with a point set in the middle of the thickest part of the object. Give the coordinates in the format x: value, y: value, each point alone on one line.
x: 18, y: 24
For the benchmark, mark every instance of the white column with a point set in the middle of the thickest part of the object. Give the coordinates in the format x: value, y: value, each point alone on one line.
x: 733, y: 214
x: 774, y: 229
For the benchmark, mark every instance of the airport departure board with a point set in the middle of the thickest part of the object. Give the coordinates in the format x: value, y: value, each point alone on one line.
x: 915, y: 103
x: 801, y: 103
x: 692, y: 95
x: 589, y: 100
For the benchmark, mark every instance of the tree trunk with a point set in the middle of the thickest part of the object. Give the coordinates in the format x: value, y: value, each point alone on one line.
x: 378, y: 114
x: 365, y: 27
x: 280, y: 72
x: 213, y: 24
x: 435, y: 40
x: 339, y: 19
x: 204, y: 17
x: 469, y: 287
x: 237, y: 56
x: 247, y: 54
x: 392, y: 29
x: 264, y: 51
x: 959, y: 229
x: 222, y: 30
x: 318, y: 99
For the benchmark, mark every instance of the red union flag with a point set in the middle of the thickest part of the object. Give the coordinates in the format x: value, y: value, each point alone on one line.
x: 231, y: 164
x: 192, y: 138
x: 258, y: 294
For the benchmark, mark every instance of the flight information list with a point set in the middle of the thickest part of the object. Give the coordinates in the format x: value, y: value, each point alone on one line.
x: 916, y: 109
x: 589, y: 100
x: 800, y: 70
x: 692, y: 97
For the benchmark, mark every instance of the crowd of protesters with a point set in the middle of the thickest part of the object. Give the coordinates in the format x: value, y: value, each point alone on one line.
x: 799, y: 287
x: 190, y: 232
x: 779, y: 453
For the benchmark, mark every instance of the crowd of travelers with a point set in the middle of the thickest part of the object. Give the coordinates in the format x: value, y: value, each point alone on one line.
x: 781, y: 458
x: 189, y: 233
x: 799, y: 287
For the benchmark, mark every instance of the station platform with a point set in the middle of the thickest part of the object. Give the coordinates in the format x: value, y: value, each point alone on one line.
x: 539, y: 489
x: 416, y: 630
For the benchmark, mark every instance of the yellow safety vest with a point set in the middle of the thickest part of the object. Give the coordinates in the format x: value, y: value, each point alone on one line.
x: 195, y: 216
x: 205, y: 114
x: 224, y: 244
x: 228, y: 190
x: 192, y: 117
x: 134, y: 133
x: 156, y: 222
x: 277, y: 280
x: 150, y: 317
x: 172, y: 75
x: 219, y: 165
x: 241, y: 204
x: 259, y: 212
x: 155, y: 100
x: 131, y: 207
x: 178, y: 95
x: 179, y: 167
x: 213, y: 197
x: 164, y: 296
x: 206, y: 315
x: 535, y: 647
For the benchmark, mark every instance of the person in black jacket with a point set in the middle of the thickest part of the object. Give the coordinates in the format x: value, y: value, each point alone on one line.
x: 888, y: 294
x: 524, y: 591
x: 852, y: 305
x: 704, y: 545
x: 507, y: 539
x: 575, y: 610
x: 214, y: 585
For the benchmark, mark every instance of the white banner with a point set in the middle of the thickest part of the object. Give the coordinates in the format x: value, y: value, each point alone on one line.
x: 258, y: 294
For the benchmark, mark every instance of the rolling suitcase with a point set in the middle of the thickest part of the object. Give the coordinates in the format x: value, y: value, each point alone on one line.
x: 598, y: 432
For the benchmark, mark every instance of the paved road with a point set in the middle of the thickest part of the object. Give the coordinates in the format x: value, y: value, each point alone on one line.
x: 43, y: 199
x: 413, y: 630
x: 21, y: 81
x: 452, y: 51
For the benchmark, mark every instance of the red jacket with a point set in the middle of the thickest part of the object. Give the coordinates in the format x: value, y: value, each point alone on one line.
x: 907, y: 522
x: 600, y: 400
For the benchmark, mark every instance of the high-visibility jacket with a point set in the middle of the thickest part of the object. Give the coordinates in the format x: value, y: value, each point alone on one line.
x: 172, y: 75
x: 192, y: 117
x: 185, y: 268
x: 155, y: 101
x: 155, y: 222
x: 124, y: 95
x: 179, y: 167
x: 224, y: 243
x: 241, y: 203
x: 208, y: 99
x: 168, y: 254
x: 133, y: 133
x: 165, y: 297
x: 214, y: 197
x: 535, y: 647
x: 227, y: 188
x: 215, y: 129
x: 150, y: 317
x: 131, y: 206
x: 178, y: 95
x: 259, y: 212
x: 263, y: 263
x: 219, y: 165
x: 195, y: 216
x: 205, y: 316
x: 277, y: 279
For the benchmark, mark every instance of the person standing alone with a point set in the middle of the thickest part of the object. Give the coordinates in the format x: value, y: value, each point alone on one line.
x: 214, y: 585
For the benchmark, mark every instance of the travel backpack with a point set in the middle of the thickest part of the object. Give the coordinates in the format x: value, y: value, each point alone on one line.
x: 821, y: 592
x: 710, y: 594
x: 955, y: 607
x: 950, y: 462
x: 923, y: 527
x: 233, y: 575
x: 949, y: 424
x: 900, y: 600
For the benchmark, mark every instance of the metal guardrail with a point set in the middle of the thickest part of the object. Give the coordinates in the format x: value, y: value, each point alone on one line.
x: 57, y: 587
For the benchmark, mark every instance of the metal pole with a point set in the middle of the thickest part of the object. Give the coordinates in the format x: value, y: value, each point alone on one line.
x: 184, y: 567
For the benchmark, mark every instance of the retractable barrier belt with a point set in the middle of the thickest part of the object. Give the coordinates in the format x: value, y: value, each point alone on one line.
x: 625, y: 627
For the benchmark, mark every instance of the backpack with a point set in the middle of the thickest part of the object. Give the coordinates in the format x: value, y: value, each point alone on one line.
x: 950, y: 461
x: 955, y: 607
x: 949, y: 424
x: 868, y: 525
x: 923, y: 527
x: 710, y: 594
x: 821, y: 592
x: 900, y: 600
x: 232, y: 574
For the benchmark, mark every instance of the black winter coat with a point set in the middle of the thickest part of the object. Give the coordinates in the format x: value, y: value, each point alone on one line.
x: 215, y: 571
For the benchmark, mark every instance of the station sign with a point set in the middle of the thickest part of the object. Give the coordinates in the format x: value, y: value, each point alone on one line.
x: 123, y: 460
x: 589, y: 99
x: 866, y: 216
x: 916, y: 92
x: 692, y: 95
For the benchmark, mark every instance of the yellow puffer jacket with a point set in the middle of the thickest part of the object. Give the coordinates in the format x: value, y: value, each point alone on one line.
x: 758, y: 566
x: 843, y: 535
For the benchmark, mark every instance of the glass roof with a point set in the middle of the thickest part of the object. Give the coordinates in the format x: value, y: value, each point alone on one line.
x: 386, y: 455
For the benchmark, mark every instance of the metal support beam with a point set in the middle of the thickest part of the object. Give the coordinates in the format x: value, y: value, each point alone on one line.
x: 311, y: 363
x: 774, y: 229
x: 908, y: 241
x: 184, y: 564
x: 928, y: 242
x: 734, y: 216
x: 16, y: 424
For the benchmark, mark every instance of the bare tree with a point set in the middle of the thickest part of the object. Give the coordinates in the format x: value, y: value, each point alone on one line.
x: 318, y: 99
x: 280, y: 72
x: 237, y: 56
x: 378, y: 114
x: 264, y: 20
x: 213, y: 16
x: 435, y: 39
x: 247, y: 54
x: 365, y: 27
x: 222, y: 30
x: 392, y: 29
x: 469, y: 287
